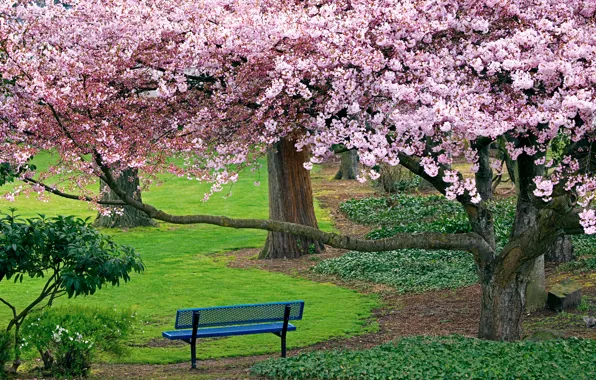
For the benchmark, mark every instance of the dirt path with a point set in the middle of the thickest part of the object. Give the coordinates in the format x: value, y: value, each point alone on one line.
x: 429, y: 313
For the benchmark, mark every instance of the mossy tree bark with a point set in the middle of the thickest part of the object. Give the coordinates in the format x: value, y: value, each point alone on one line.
x: 129, y: 216
x: 290, y: 200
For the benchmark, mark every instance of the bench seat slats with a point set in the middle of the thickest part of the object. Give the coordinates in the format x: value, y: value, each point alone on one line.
x: 228, y: 331
x: 217, y: 321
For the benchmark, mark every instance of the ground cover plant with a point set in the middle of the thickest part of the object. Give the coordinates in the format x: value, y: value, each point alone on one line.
x: 417, y: 213
x: 450, y: 357
x: 184, y: 269
x: 406, y: 270
x: 584, y: 248
x: 413, y: 270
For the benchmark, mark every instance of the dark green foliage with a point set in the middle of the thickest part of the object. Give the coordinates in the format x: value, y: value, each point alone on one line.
x: 67, y: 338
x: 5, y: 346
x: 419, y: 213
x: 8, y: 173
x: 81, y: 259
x: 584, y: 247
x: 408, y: 270
x: 414, y: 270
x: 452, y: 357
x: 72, y: 255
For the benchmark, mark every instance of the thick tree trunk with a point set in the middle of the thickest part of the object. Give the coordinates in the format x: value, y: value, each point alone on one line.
x: 348, y: 168
x: 561, y: 251
x: 290, y: 200
x: 504, y: 300
x: 130, y: 216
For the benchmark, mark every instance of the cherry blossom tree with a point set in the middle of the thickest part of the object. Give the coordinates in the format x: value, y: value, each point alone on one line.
x: 417, y: 83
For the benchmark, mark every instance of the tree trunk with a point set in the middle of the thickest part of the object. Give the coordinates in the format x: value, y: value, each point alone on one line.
x: 290, y: 200
x: 504, y: 299
x: 348, y: 168
x: 561, y: 251
x: 536, y: 290
x: 130, y: 216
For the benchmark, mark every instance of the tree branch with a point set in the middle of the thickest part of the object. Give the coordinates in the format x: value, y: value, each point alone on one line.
x: 73, y: 196
x: 470, y: 242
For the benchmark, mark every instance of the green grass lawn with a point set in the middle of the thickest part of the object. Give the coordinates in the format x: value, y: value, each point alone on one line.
x: 185, y: 268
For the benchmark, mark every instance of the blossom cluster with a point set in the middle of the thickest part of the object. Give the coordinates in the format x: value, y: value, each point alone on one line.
x: 133, y: 83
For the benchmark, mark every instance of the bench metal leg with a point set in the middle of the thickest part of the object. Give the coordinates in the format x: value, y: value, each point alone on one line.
x: 285, y: 330
x: 193, y: 355
x: 283, y: 346
x: 193, y: 340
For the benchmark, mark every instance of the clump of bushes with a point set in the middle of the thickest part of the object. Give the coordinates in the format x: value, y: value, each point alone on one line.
x: 5, y: 349
x: 68, y: 338
x: 451, y: 357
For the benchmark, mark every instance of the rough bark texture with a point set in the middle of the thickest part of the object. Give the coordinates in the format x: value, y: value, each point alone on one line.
x: 348, y: 168
x: 561, y: 251
x: 290, y: 200
x: 130, y: 217
x: 503, y: 300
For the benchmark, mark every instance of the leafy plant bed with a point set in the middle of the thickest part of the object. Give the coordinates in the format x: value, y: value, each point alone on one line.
x: 408, y: 270
x: 584, y: 247
x: 442, y: 358
x: 418, y: 213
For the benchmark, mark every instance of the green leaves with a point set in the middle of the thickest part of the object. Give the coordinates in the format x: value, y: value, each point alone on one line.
x: 451, y: 357
x: 9, y: 174
x: 419, y: 213
x: 80, y: 258
x: 407, y: 270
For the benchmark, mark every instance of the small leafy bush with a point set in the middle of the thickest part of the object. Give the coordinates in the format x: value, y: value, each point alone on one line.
x: 5, y: 347
x: 451, y: 357
x: 407, y: 270
x: 67, y: 338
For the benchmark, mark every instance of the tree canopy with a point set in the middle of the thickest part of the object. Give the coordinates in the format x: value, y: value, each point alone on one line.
x: 421, y: 83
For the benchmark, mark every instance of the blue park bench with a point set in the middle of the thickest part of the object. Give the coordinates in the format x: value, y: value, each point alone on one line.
x: 209, y: 322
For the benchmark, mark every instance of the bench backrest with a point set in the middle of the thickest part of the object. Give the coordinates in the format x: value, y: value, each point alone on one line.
x: 239, y: 314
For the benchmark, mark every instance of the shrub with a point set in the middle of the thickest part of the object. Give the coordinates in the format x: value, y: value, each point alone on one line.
x: 407, y: 270
x: 451, y: 357
x: 72, y: 255
x: 5, y: 346
x: 66, y: 338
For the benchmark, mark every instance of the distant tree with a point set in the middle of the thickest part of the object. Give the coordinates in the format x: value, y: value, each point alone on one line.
x: 123, y: 216
x: 348, y: 167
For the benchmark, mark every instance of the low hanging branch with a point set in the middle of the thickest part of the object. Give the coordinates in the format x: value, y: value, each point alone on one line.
x: 470, y: 242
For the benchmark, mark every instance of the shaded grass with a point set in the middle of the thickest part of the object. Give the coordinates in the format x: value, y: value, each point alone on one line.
x: 185, y: 269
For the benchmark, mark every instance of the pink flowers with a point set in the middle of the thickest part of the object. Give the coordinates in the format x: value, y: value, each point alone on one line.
x: 216, y: 84
x: 544, y: 188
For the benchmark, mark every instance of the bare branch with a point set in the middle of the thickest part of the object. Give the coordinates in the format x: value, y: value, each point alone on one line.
x: 73, y: 196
